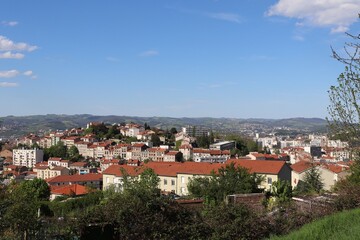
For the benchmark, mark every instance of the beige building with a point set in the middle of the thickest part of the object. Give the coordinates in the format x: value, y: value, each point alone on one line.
x: 175, y: 176
x: 330, y: 173
x: 50, y: 172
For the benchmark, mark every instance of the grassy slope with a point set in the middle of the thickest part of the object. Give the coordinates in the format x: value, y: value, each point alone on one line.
x: 344, y: 225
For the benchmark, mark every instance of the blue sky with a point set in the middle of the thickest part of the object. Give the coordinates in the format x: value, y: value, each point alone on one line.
x: 205, y: 58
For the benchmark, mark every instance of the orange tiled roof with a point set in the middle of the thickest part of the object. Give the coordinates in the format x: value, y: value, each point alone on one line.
x: 70, y: 190
x: 301, y: 166
x: 76, y: 178
x: 193, y: 168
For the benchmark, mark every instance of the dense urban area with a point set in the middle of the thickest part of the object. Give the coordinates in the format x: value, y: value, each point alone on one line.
x: 135, y: 181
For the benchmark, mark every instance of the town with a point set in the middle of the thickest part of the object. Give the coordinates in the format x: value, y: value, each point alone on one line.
x: 93, y: 156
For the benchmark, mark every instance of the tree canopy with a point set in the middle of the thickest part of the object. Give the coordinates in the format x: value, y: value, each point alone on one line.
x: 228, y: 180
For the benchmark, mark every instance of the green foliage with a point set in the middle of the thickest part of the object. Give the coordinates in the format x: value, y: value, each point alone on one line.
x: 234, y: 222
x: 204, y: 141
x: 140, y: 212
x: 242, y: 145
x: 99, y: 130
x: 73, y: 207
x: 24, y: 202
x: 337, y: 226
x: 228, y: 180
x: 155, y: 140
x: 312, y: 182
x: 73, y: 154
x: 281, y: 191
x: 58, y: 150
x: 37, y: 188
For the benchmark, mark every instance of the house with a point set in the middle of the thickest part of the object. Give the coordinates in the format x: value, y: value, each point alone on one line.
x: 173, y: 156
x: 93, y: 180
x: 82, y: 168
x: 50, y: 172
x: 113, y: 176
x: 187, y: 151
x: 73, y: 190
x: 329, y: 173
x: 58, y: 162
x: 105, y: 163
x: 298, y: 172
x: 6, y: 153
x: 156, y: 154
x: 70, y: 141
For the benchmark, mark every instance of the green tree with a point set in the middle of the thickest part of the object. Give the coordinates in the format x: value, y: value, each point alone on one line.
x: 155, y: 139
x: 25, y: 203
x: 228, y: 180
x: 281, y: 191
x: 312, y: 182
x: 344, y: 108
x: 73, y: 154
x: 58, y: 150
x: 203, y: 141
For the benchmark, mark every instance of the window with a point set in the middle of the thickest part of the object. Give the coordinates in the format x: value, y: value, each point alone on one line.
x: 165, y: 181
x: 182, y: 179
x: 269, y: 180
x: 172, y: 182
x: 107, y: 180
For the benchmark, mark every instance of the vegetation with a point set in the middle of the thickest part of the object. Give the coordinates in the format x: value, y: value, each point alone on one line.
x: 338, y: 226
x: 228, y: 180
x: 242, y: 145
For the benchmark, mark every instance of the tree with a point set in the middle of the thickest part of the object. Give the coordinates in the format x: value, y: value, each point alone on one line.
x: 228, y: 180
x: 344, y: 108
x: 25, y: 202
x: 58, y: 150
x: 155, y: 140
x: 312, y: 182
x: 203, y: 141
x: 282, y: 191
x: 146, y: 126
x: 73, y: 153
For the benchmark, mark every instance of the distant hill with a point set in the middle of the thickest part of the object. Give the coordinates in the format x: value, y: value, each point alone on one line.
x: 12, y: 126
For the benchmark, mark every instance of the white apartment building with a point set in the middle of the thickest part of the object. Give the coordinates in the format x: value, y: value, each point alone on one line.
x: 27, y: 157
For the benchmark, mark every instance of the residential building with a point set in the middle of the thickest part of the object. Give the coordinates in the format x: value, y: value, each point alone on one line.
x: 50, y: 172
x: 175, y: 176
x: 93, y: 180
x: 27, y: 157
x: 173, y: 156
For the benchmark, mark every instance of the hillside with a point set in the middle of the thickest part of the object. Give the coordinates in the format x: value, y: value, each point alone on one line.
x: 13, y: 126
x: 344, y: 225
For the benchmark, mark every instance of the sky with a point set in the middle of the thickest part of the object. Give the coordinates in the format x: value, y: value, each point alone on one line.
x: 172, y: 58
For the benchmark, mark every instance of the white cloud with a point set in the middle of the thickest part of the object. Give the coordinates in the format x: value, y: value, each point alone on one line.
x: 8, y: 45
x: 230, y: 17
x: 9, y: 23
x: 336, y: 14
x: 8, y: 84
x: 28, y: 73
x: 149, y: 53
x: 12, y: 55
x: 9, y: 73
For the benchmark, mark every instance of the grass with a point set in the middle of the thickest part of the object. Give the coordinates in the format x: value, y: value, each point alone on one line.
x: 344, y: 225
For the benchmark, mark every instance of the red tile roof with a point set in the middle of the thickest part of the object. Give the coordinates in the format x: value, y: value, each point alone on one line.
x: 76, y: 178
x: 301, y: 166
x: 118, y: 170
x: 74, y: 189
x: 194, y: 168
